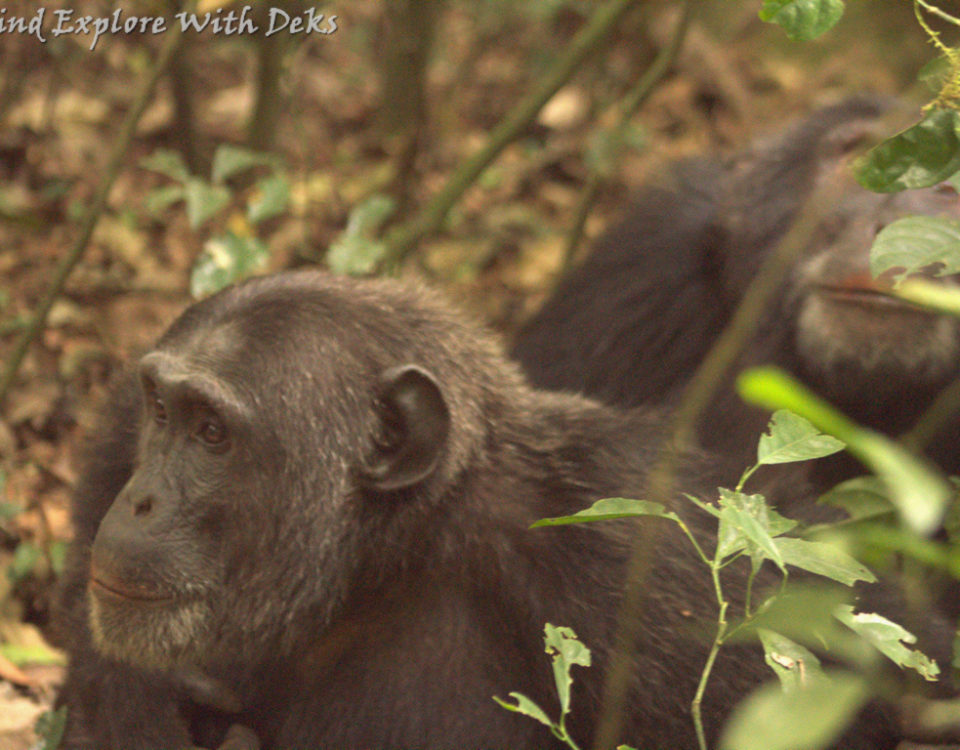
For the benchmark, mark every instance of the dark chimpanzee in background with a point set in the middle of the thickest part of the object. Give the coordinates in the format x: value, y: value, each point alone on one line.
x: 633, y: 322
x: 305, y: 519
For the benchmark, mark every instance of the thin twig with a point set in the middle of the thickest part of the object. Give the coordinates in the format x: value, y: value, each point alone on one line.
x: 631, y: 103
x: 402, y: 239
x: 118, y: 159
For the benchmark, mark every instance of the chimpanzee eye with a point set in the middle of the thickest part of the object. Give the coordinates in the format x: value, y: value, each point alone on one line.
x: 212, y: 431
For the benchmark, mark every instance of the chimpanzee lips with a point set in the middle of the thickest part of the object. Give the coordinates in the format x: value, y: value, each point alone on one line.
x: 102, y: 585
x: 864, y: 291
x: 864, y: 296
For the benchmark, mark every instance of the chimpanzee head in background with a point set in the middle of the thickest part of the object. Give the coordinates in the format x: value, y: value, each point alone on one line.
x: 633, y: 322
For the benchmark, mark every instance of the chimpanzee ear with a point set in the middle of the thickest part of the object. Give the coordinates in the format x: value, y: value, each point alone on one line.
x: 414, y: 424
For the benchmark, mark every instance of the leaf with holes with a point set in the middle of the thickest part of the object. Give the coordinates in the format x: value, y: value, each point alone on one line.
x: 889, y: 639
x: 917, y: 242
x: 802, y: 19
x: 792, y: 438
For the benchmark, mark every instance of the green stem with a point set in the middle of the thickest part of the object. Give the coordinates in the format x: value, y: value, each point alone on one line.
x: 746, y: 475
x: 631, y: 103
x: 693, y: 541
x: 695, y: 705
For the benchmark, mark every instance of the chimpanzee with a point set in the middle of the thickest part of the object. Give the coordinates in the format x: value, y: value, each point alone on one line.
x: 633, y: 322
x: 304, y: 522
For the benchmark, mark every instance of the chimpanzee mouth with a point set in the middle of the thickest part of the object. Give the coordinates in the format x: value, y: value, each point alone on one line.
x: 880, y: 300
x: 117, y: 590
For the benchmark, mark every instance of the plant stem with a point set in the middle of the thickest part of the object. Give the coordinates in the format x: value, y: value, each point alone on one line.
x: 402, y: 239
x: 711, y: 658
x: 118, y: 159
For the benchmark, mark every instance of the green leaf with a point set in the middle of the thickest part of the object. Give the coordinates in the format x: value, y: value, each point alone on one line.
x: 223, y: 261
x: 34, y: 654
x: 794, y: 665
x: 25, y: 559
x: 356, y: 251
x: 811, y: 716
x: 916, y: 242
x: 917, y: 491
x: 565, y: 650
x: 609, y: 509
x: 526, y: 707
x: 920, y: 156
x: 230, y: 160
x: 9, y: 510
x: 916, y: 488
x: 793, y: 438
x: 804, y: 612
x: 935, y: 73
x: 159, y: 200
x: 168, y: 163
x: 802, y: 19
x: 705, y: 506
x: 860, y: 497
x: 271, y: 199
x: 889, y: 638
x: 58, y: 556
x: 50, y: 728
x: 824, y: 559
x: 203, y: 200
x: 744, y: 524
x: 951, y: 519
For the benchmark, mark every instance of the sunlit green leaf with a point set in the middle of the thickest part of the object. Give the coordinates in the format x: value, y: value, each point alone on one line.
x: 608, y: 509
x: 565, y: 650
x: 225, y: 260
x: 811, y: 716
x: 168, y: 163
x: 357, y: 250
x: 793, y: 438
x: 230, y: 160
x: 824, y: 559
x: 32, y: 654
x: 203, y: 200
x: 526, y: 707
x: 802, y: 19
x: 271, y: 199
x: 889, y: 638
x: 920, y: 156
x: 159, y: 200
